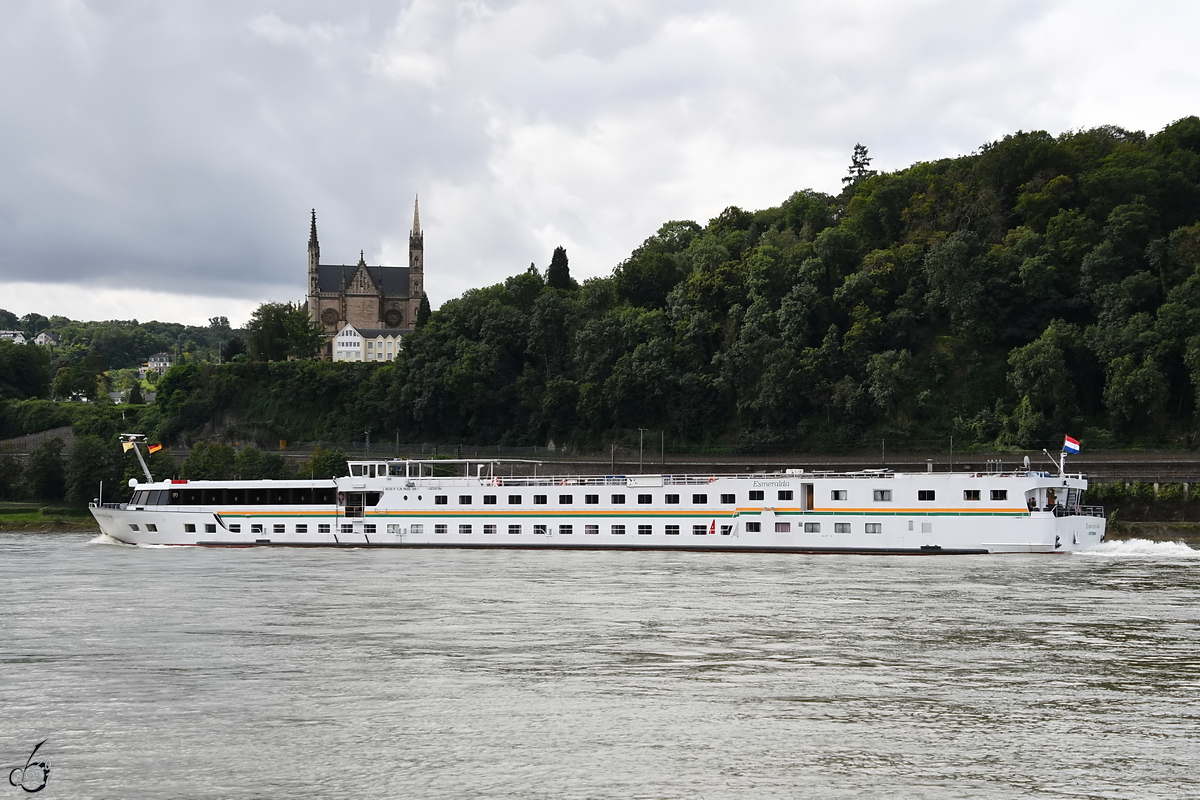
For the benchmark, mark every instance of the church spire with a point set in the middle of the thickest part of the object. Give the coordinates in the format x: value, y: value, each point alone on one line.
x: 312, y: 235
x: 416, y: 239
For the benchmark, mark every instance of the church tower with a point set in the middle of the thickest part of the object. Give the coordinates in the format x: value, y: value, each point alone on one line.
x: 314, y: 262
x: 416, y: 258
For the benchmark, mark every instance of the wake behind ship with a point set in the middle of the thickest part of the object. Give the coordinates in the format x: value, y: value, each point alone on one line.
x: 405, y: 503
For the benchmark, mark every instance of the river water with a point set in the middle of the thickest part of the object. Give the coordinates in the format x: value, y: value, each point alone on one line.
x: 184, y: 672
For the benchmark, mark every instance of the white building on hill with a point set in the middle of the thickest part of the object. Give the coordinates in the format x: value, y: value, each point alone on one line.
x: 369, y: 344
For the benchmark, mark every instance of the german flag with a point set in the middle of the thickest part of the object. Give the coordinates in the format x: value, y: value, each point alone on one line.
x: 154, y: 448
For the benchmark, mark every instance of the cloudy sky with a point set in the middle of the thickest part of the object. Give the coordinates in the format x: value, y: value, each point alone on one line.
x: 160, y: 159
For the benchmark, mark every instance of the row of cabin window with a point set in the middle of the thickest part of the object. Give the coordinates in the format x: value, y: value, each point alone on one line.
x: 644, y: 530
x: 588, y: 499
x: 879, y: 496
x: 563, y: 530
x: 925, y: 495
x: 814, y: 527
x: 258, y: 527
x: 221, y: 497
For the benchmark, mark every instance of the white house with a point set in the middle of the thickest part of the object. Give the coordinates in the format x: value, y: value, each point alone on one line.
x: 16, y: 337
x: 159, y: 362
x: 369, y: 344
x: 47, y: 339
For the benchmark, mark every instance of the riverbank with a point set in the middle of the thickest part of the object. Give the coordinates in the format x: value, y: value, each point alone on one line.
x: 30, y: 517
x: 1186, y: 532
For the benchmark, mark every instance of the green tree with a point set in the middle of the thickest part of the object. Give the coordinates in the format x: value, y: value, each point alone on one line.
x: 1039, y: 372
x: 558, y: 275
x: 247, y: 464
x: 212, y: 461
x: 24, y: 371
x: 860, y: 166
x: 91, y: 461
x: 10, y: 476
x: 324, y: 463
x: 891, y: 379
x: 305, y: 338
x: 253, y: 464
x: 277, y: 331
x: 423, y: 311
x: 45, y: 474
x: 236, y: 346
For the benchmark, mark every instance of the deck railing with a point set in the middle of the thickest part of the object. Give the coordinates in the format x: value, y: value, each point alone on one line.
x: 1079, y: 511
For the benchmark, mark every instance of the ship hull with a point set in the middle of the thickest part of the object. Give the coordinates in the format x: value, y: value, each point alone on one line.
x: 924, y: 514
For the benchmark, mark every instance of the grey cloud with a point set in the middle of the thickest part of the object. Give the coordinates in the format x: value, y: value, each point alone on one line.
x: 178, y: 147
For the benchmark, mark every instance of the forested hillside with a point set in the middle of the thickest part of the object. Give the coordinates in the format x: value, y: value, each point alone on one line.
x: 1039, y: 286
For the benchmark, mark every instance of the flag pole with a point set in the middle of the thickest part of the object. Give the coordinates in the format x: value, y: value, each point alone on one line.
x: 132, y: 440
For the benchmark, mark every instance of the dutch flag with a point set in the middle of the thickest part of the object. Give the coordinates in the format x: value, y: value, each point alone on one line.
x: 1071, y: 446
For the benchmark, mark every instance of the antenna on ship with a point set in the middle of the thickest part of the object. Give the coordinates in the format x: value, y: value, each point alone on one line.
x: 1060, y: 463
x: 130, y: 441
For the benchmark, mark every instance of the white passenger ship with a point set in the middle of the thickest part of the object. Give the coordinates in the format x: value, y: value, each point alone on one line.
x: 405, y: 503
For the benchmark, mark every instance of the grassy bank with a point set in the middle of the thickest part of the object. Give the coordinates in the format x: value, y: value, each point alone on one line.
x: 1186, y: 532
x: 33, y: 517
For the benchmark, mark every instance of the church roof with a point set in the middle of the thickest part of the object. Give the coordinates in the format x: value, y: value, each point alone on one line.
x: 376, y: 333
x: 332, y: 277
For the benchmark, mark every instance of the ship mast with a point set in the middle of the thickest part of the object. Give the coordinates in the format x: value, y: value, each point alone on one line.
x: 130, y: 441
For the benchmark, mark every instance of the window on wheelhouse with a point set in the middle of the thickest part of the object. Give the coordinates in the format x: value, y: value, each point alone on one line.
x: 970, y: 494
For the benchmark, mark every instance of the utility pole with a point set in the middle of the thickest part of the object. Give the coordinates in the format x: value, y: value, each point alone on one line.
x: 641, y: 433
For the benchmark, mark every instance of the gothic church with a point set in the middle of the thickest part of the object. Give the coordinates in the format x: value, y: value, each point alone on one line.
x: 372, y: 299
